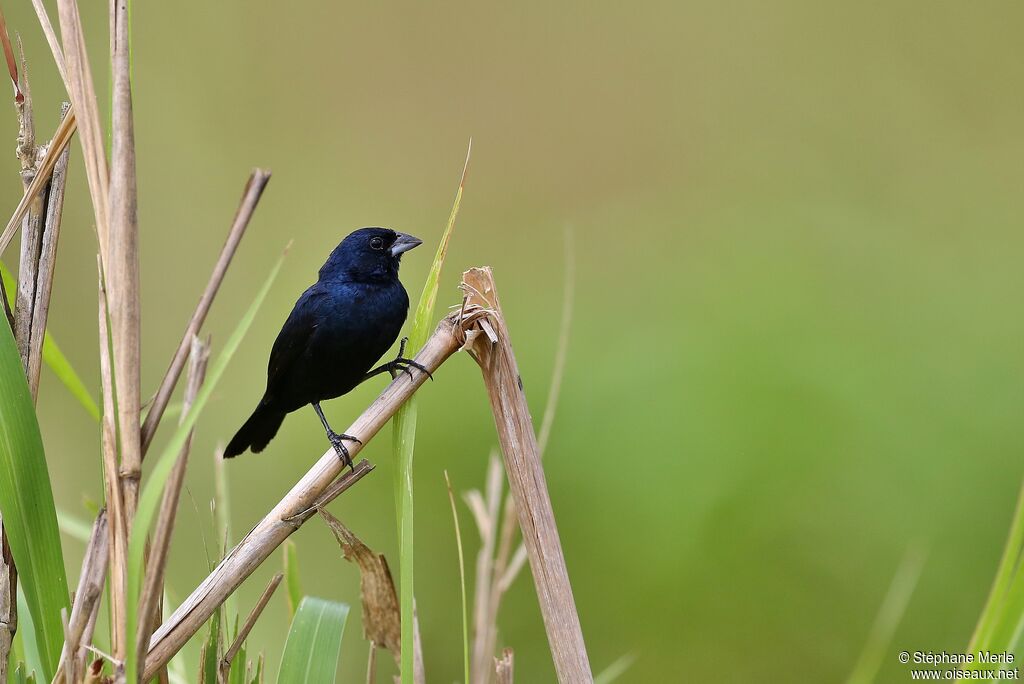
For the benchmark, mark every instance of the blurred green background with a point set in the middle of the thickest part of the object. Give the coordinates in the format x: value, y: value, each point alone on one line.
x: 796, y: 348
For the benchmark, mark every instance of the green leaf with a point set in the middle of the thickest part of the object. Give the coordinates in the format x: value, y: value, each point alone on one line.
x: 404, y: 436
x: 314, y: 641
x: 26, y: 503
x: 26, y: 637
x: 291, y: 576
x: 257, y: 677
x: 462, y: 578
x: 55, y: 360
x: 211, y: 652
x: 152, y: 493
x: 998, y: 626
x: 54, y: 357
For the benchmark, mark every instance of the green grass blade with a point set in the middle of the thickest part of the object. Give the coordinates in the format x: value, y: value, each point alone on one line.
x: 404, y: 437
x: 54, y: 358
x: 291, y: 576
x: 153, y: 491
x: 894, y: 605
x: 211, y: 653
x: 59, y: 365
x: 615, y: 670
x: 462, y: 578
x: 314, y: 641
x: 26, y: 502
x: 995, y: 605
x: 73, y: 526
x: 27, y: 636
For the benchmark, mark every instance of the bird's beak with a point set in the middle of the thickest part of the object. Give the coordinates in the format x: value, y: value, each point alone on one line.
x: 404, y: 243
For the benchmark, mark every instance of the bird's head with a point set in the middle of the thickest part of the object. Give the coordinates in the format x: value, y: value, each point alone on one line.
x: 368, y: 254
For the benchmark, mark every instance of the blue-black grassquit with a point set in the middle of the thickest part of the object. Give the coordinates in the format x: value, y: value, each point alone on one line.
x: 338, y: 329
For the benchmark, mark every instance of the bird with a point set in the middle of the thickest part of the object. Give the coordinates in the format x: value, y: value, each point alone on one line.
x: 337, y: 330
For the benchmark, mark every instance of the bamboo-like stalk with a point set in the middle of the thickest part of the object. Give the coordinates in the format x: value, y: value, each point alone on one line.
x: 493, y: 352
x: 297, y: 506
x: 254, y: 187
x: 153, y: 586
x: 225, y: 664
x: 87, y: 602
x: 122, y: 265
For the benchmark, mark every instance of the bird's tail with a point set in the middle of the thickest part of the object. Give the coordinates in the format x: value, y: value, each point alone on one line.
x: 257, y: 432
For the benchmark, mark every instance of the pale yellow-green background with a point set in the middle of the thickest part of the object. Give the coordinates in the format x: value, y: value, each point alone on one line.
x: 797, y: 339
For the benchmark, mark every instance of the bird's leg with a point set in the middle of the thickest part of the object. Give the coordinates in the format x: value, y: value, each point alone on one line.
x: 399, y: 364
x: 336, y: 438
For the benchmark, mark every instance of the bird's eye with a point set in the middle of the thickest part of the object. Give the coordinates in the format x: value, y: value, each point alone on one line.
x: 377, y: 243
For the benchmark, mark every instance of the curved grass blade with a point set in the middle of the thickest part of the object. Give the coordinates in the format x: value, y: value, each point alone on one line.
x: 54, y: 357
x: 404, y: 437
x: 26, y: 502
x: 314, y: 640
x: 291, y: 576
x: 462, y: 577
x: 153, y: 491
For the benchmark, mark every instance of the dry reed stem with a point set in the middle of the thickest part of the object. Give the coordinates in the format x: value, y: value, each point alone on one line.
x: 485, y: 512
x: 87, y: 601
x: 32, y: 226
x: 225, y: 664
x: 83, y: 99
x: 60, y: 140
x: 258, y: 180
x: 527, y: 482
x: 491, y: 588
x: 122, y: 262
x: 156, y: 566
x: 47, y: 265
x: 294, y: 509
x: 503, y: 667
x: 108, y: 439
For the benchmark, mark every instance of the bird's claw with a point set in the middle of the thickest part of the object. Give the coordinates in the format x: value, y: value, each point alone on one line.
x: 402, y: 365
x: 341, y: 449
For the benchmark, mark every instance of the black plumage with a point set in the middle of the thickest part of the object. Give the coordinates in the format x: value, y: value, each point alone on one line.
x: 337, y: 330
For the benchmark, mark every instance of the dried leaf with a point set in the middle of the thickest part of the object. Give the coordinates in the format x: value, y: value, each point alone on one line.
x: 381, y: 618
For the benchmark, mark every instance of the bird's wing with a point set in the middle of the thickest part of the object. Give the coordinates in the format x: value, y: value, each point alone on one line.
x: 293, y: 340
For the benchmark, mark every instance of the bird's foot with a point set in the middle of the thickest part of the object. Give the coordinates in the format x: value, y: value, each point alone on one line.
x: 400, y: 364
x: 337, y: 441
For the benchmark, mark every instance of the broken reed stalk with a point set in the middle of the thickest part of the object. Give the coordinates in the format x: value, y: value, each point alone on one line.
x: 58, y: 144
x: 258, y: 180
x: 225, y: 664
x: 492, y: 349
x: 47, y: 264
x: 87, y: 603
x: 295, y: 508
x: 153, y: 584
x: 495, y: 575
x: 122, y: 264
x: 503, y: 667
